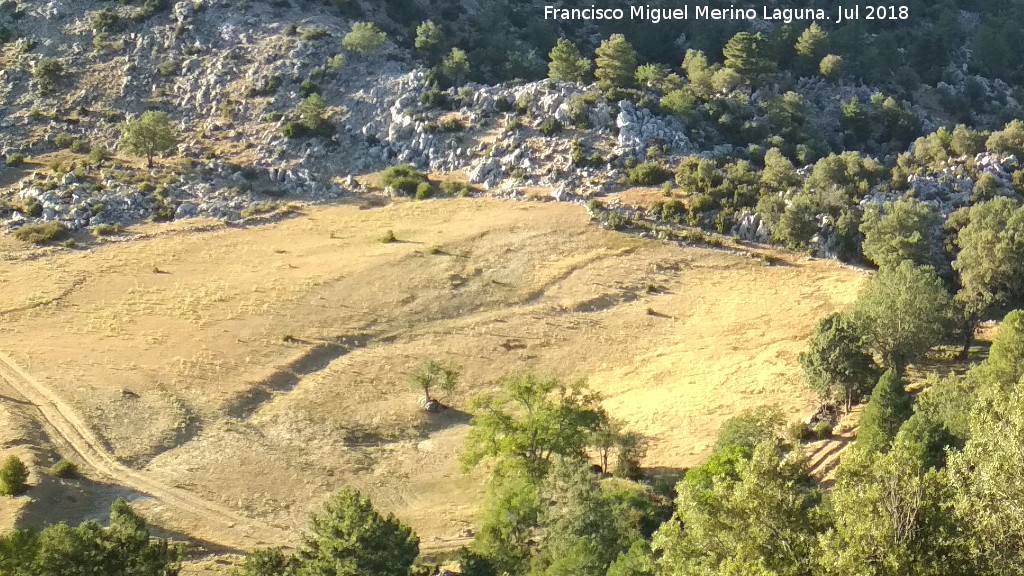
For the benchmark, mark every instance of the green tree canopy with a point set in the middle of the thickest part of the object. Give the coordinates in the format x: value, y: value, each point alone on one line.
x: 429, y: 38
x: 831, y: 66
x: 889, y: 407
x: 149, y: 135
x: 434, y: 375
x: 349, y: 538
x: 455, y: 66
x: 890, y: 514
x: 991, y: 258
x: 907, y: 229
x: 616, y: 63
x: 750, y: 56
x: 836, y: 365
x: 750, y: 428
x: 743, y: 516
x: 364, y: 37
x: 532, y: 420
x: 13, y: 477
x: 566, y: 63
x: 813, y: 42
x: 902, y: 311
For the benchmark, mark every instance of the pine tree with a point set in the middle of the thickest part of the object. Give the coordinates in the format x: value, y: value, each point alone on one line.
x: 455, y: 65
x: 749, y: 55
x: 566, y: 63
x: 350, y: 538
x: 616, y: 63
x: 812, y: 42
x: 890, y: 406
x: 429, y: 38
x: 13, y: 477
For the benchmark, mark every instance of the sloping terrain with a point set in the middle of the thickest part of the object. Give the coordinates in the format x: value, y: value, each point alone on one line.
x: 262, y: 368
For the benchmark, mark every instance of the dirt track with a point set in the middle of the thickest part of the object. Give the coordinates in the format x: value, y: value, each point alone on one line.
x: 226, y: 528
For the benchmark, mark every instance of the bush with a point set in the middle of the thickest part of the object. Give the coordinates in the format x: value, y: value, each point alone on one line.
x: 424, y: 191
x: 13, y: 477
x: 107, y: 229
x: 107, y: 20
x: 63, y: 141
x: 64, y: 469
x: 41, y: 233
x: 503, y: 105
x: 823, y: 431
x: 48, y: 74
x: 798, y: 432
x: 169, y: 68
x: 453, y: 188
x: 550, y: 126
x: 15, y: 159
x: 649, y: 174
x: 80, y: 147
x: 452, y: 125
x: 434, y: 98
x: 404, y: 178
x: 388, y: 237
x: 314, y: 34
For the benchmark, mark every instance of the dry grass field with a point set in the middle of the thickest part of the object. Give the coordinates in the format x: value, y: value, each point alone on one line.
x: 263, y: 367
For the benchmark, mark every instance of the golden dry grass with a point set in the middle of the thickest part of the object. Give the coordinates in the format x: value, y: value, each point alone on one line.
x: 194, y: 322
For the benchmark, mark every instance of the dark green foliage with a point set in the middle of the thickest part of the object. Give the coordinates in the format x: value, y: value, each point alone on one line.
x: 836, y: 365
x: 743, y: 512
x: 649, y: 174
x: 927, y: 440
x: 15, y: 159
x: 169, y: 68
x: 616, y: 63
x: 122, y: 548
x: 749, y: 55
x: 268, y: 562
x: 889, y: 407
x: 48, y: 75
x: 64, y: 469
x: 349, y: 538
x: 750, y: 428
x: 902, y: 311
x: 550, y: 126
x: 991, y: 258
x: 566, y: 63
x: 313, y: 119
x: 531, y: 421
x: 13, y: 477
x: 149, y: 135
x: 404, y: 178
x: 905, y: 230
x: 473, y: 564
x: 41, y: 233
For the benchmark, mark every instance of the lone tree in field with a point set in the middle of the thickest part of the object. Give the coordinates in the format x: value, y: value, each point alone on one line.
x: 349, y: 538
x: 567, y: 64
x: 433, y: 375
x: 616, y: 63
x: 13, y: 477
x: 149, y: 135
x: 836, y: 366
x: 363, y: 38
x: 889, y: 407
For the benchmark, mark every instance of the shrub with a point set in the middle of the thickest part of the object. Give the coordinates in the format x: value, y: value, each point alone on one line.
x: 32, y: 207
x: 64, y: 469
x: 578, y: 111
x: 48, y: 74
x: 267, y: 87
x: 388, y: 237
x: 798, y: 432
x: 550, y: 126
x: 169, y: 68
x: 107, y: 20
x: 308, y: 88
x: 290, y: 30
x: 41, y: 233
x: 107, y: 229
x: 13, y: 477
x: 424, y: 191
x: 80, y: 147
x: 273, y: 117
x: 823, y: 431
x: 15, y: 159
x: 434, y: 98
x: 452, y: 125
x: 453, y: 188
x: 314, y: 34
x: 63, y: 141
x: 404, y: 178
x: 649, y: 174
x: 364, y: 37
x: 503, y: 104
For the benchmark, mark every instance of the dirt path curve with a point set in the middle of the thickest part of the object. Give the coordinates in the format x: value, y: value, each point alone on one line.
x: 214, y: 523
x: 823, y: 457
